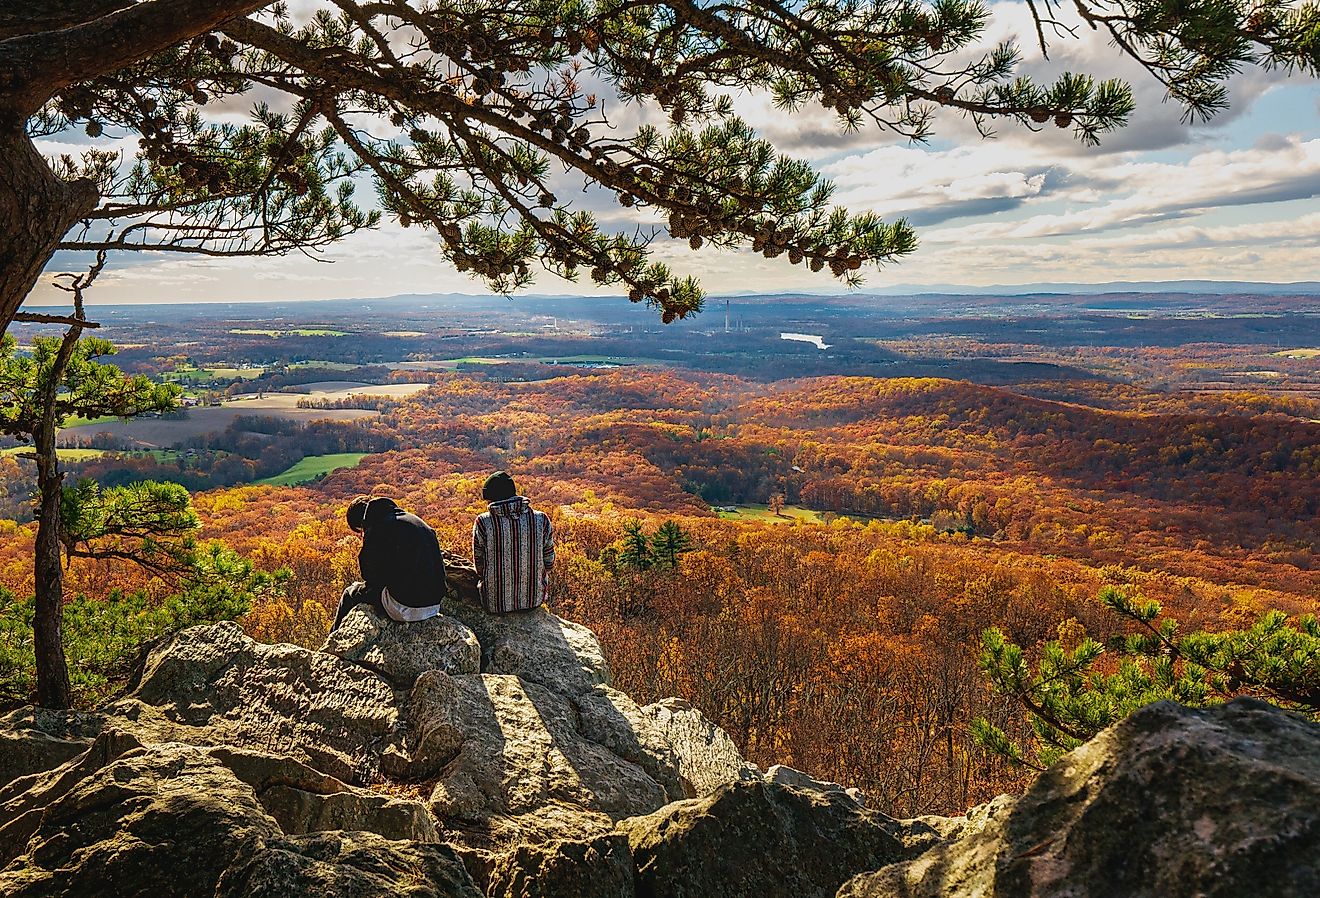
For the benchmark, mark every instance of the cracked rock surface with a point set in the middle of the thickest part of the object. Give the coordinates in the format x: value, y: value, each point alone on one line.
x: 486, y: 755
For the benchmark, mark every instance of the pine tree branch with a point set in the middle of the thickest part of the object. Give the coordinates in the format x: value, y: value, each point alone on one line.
x: 38, y: 318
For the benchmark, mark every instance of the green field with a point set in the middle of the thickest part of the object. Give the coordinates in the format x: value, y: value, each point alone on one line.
x: 75, y: 421
x: 292, y: 332
x: 1298, y: 353
x: 313, y: 466
x: 205, y: 375
x: 65, y: 454
x: 762, y: 514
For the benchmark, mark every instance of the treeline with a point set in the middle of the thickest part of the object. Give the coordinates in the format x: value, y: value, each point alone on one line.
x: 990, y: 462
x: 250, y: 448
x: 281, y: 379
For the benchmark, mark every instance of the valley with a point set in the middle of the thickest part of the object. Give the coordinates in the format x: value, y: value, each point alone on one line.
x: 859, y: 505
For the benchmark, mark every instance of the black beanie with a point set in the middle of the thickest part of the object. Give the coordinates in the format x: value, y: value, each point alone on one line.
x: 498, y: 487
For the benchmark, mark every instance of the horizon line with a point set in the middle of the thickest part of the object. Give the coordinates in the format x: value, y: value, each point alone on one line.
x: 1174, y: 286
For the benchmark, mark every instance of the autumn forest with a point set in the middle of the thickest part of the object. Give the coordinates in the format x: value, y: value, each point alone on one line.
x: 806, y: 541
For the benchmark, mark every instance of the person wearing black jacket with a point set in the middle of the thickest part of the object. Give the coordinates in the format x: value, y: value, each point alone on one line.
x: 403, y: 569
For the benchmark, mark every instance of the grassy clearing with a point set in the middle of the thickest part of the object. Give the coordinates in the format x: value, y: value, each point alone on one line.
x: 75, y: 421
x: 313, y: 466
x: 761, y: 514
x: 65, y: 454
x: 291, y: 332
x: 165, y: 455
x: 1298, y: 353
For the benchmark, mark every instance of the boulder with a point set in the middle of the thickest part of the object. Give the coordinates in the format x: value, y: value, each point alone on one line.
x: 303, y: 800
x: 33, y: 740
x: 400, y: 653
x: 1169, y: 803
x: 756, y: 839
x: 212, y: 685
x: 536, y: 646
x: 973, y: 822
x: 24, y: 802
x: 597, y: 868
x: 165, y: 820
x: 508, y: 754
x: 707, y: 757
x: 788, y: 776
x: 174, y: 820
x: 671, y: 740
x: 461, y: 577
x: 348, y: 865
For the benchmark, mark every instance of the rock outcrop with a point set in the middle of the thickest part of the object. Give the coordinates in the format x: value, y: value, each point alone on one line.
x: 1169, y: 803
x: 474, y: 755
x: 508, y: 753
x: 538, y: 647
x: 402, y: 654
x: 213, y: 685
x: 418, y: 734
x: 34, y: 739
x: 173, y: 819
x: 755, y: 839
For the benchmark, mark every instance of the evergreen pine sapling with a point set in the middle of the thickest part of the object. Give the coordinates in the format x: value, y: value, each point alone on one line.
x: 1071, y: 694
x: 39, y: 391
x: 636, y: 552
x: 669, y: 542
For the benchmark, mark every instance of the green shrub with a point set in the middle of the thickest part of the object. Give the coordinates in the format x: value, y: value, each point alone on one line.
x: 1070, y: 695
x: 104, y: 637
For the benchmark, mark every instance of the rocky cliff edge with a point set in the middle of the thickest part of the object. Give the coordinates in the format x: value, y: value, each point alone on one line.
x: 475, y: 755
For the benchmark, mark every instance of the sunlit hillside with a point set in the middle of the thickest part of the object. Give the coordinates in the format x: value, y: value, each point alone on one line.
x: 839, y: 633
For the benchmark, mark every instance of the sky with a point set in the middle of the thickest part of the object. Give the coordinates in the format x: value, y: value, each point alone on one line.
x: 1237, y: 198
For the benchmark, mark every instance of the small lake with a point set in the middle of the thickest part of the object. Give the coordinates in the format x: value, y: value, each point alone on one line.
x: 813, y: 339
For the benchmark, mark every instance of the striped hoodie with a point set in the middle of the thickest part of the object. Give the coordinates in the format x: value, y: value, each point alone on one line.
x: 513, y: 548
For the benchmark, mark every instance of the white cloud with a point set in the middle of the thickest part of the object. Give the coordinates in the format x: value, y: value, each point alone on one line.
x: 1160, y: 199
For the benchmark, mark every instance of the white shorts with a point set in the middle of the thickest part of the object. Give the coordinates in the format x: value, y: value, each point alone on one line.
x: 403, y: 613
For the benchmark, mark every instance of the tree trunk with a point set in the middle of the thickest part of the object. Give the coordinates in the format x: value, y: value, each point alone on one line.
x: 36, y: 210
x: 53, y: 689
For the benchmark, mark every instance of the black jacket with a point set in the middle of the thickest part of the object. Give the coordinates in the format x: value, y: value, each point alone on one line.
x: 400, y: 552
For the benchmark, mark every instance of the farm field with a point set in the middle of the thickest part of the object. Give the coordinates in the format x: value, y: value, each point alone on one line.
x: 313, y: 466
x: 206, y: 375
x: 163, y: 433
x: 337, y: 389
x: 78, y: 422
x: 448, y: 364
x: 66, y: 454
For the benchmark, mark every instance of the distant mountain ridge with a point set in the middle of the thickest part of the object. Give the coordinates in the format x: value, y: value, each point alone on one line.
x: 1186, y: 286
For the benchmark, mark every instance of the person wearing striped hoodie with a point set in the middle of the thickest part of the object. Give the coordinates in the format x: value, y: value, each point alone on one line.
x: 513, y: 547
